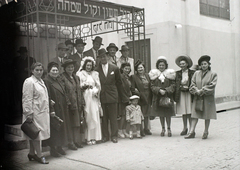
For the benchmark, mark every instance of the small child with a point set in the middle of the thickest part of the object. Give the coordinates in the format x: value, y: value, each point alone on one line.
x: 134, y: 116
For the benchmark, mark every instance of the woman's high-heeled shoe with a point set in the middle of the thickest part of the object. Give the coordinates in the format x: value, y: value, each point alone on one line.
x: 41, y: 160
x: 190, y: 135
x: 169, y: 132
x: 184, y: 132
x: 205, y: 135
x: 31, y: 157
x: 163, y: 132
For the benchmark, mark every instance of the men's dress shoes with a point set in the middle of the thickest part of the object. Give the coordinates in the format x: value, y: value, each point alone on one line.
x: 72, y: 147
x: 147, y: 132
x: 142, y: 133
x: 78, y: 145
x: 104, y: 140
x: 114, y: 140
x: 54, y: 153
x: 61, y: 151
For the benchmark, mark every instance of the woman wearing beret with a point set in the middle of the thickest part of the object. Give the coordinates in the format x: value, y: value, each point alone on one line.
x: 163, y: 86
x: 140, y: 85
x: 125, y: 69
x: 90, y: 83
x: 35, y: 101
x: 75, y: 103
x: 57, y: 95
x: 203, y: 88
x: 183, y: 97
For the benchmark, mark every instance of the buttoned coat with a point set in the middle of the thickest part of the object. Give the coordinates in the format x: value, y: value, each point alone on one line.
x: 136, y: 82
x: 111, y: 85
x: 76, y: 100
x: 169, y: 86
x: 35, y: 100
x: 206, y: 83
x: 178, y: 83
x: 57, y: 93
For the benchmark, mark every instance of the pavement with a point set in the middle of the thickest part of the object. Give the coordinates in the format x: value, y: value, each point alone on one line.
x: 220, y: 151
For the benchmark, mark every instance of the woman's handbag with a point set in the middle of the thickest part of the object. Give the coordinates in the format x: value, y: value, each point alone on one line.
x: 184, y: 88
x: 199, y: 104
x: 165, y: 102
x: 56, y: 122
x: 30, y: 129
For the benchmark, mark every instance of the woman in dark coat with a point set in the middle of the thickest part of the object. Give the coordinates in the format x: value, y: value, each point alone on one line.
x: 183, y: 97
x: 141, y: 86
x: 57, y: 95
x: 163, y: 85
x: 203, y: 86
x: 75, y: 103
x: 125, y: 69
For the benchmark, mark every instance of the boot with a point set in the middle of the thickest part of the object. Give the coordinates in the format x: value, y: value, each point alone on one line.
x: 125, y: 133
x: 120, y: 134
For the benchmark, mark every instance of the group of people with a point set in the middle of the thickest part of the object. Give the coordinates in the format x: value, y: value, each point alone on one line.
x: 88, y: 91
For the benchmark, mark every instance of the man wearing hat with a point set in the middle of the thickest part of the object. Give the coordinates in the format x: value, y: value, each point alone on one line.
x: 93, y: 52
x: 70, y: 46
x: 125, y: 58
x: 61, y: 50
x: 78, y: 56
x: 111, y: 88
x: 111, y: 51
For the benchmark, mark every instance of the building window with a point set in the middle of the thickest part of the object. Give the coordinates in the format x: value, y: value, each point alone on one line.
x: 215, y: 8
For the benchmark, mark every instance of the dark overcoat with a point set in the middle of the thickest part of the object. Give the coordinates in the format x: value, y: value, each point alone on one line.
x: 136, y: 83
x: 145, y: 95
x: 169, y: 86
x: 178, y: 83
x: 56, y: 92
x: 76, y: 100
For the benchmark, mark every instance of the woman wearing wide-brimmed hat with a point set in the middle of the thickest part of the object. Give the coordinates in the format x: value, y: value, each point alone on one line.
x: 75, y: 103
x: 203, y: 88
x: 183, y: 97
x: 163, y: 87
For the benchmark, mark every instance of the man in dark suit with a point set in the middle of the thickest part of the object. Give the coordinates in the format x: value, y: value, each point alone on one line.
x: 61, y: 53
x: 111, y: 85
x: 78, y: 56
x: 93, y: 52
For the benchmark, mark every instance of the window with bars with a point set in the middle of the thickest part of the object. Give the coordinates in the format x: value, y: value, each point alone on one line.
x: 215, y: 8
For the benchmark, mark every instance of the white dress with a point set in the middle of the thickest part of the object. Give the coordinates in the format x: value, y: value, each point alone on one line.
x: 92, y: 104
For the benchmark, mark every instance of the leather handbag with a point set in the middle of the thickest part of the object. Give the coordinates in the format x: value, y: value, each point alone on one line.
x: 30, y: 129
x: 56, y: 122
x: 165, y: 102
x: 199, y: 104
x: 184, y: 88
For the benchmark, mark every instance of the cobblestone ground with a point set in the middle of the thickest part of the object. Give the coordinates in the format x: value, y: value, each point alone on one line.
x: 219, y: 151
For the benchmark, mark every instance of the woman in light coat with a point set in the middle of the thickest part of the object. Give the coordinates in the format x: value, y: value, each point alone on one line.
x: 36, y: 108
x: 203, y: 87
